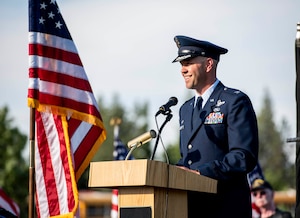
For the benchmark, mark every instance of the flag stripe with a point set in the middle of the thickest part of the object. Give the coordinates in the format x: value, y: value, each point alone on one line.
x: 82, y: 129
x: 114, y: 203
x: 52, y: 41
x: 73, y: 126
x: 82, y: 135
x: 84, y: 139
x: 77, y: 104
x: 46, y: 166
x: 42, y: 206
x: 59, y: 66
x: 54, y: 53
x: 88, y: 141
x: 64, y: 182
x: 55, y: 164
x: 54, y: 77
x: 8, y: 204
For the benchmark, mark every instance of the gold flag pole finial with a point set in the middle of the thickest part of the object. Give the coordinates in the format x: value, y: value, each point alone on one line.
x: 115, y: 121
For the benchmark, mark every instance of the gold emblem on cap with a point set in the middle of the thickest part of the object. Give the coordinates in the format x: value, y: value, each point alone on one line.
x: 257, y: 183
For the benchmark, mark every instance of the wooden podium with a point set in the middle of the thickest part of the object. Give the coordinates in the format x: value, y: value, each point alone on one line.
x: 149, y: 188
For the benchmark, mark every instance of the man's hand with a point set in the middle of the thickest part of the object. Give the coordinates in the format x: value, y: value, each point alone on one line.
x: 187, y: 169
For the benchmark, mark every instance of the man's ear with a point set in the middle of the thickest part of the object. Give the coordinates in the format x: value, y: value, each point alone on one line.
x: 209, y: 64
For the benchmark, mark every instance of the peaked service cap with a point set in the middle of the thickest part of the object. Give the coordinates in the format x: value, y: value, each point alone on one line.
x: 260, y: 184
x: 190, y: 48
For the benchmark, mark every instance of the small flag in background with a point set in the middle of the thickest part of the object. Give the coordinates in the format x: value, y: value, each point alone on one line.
x: 114, y: 204
x: 120, y: 150
x: 10, y: 207
x: 120, y: 153
x: 69, y: 127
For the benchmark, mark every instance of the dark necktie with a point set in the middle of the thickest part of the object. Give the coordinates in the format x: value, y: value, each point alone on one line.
x: 196, y: 112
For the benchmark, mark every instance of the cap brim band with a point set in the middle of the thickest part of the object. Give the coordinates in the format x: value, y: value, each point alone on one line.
x: 181, y: 58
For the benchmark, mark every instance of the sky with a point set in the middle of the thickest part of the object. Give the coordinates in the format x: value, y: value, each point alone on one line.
x: 127, y: 48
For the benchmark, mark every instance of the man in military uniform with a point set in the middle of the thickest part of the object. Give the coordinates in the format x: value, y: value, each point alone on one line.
x: 218, y: 133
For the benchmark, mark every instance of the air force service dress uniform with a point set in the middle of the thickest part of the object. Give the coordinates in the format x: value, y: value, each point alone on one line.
x: 223, y: 144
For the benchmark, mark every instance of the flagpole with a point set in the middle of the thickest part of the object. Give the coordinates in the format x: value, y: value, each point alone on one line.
x: 115, y: 122
x: 114, y: 213
x: 297, y: 60
x: 31, y: 163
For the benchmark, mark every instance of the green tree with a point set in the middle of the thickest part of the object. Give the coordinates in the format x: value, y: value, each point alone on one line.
x: 173, y: 153
x: 133, y: 124
x: 272, y: 157
x: 13, y: 167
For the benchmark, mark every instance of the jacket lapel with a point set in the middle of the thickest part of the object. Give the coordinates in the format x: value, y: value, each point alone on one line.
x: 207, y: 109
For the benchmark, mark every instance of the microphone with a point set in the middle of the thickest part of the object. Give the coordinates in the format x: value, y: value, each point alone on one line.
x: 142, y: 139
x: 166, y: 107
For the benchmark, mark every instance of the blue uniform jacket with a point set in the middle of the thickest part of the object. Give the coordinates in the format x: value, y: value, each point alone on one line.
x: 223, y: 145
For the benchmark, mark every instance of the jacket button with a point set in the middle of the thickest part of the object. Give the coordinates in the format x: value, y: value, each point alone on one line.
x: 190, y: 162
x: 190, y: 146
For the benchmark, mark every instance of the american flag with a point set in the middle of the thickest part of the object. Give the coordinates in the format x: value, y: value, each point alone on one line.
x: 120, y: 153
x: 69, y: 126
x: 120, y: 149
x: 10, y: 207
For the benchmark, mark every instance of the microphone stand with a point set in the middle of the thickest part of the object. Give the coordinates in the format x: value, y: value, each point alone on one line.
x: 168, y: 118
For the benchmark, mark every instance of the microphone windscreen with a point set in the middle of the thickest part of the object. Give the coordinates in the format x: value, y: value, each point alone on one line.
x: 142, y: 139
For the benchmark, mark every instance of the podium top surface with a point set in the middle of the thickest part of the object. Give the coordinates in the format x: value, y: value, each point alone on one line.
x: 145, y: 172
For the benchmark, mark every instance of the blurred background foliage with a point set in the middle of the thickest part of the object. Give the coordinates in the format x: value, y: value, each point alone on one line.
x: 274, y: 153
